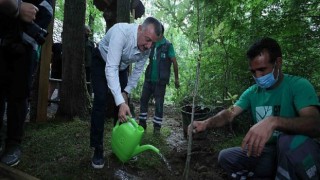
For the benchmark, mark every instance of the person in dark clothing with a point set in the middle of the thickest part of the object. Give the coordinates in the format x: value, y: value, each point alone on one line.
x: 21, y: 33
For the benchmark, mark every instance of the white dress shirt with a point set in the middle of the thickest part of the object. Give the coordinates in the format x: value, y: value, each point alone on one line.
x: 119, y: 49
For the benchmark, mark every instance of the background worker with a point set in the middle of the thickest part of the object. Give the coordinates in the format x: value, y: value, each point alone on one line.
x: 157, y: 77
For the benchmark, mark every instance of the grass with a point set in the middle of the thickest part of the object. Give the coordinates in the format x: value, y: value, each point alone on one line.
x: 60, y: 150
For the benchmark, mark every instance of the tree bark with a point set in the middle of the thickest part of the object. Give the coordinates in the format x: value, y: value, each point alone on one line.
x: 74, y: 98
x: 123, y: 11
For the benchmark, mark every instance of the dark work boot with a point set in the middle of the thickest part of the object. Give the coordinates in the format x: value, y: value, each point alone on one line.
x: 156, y: 129
x: 98, y: 158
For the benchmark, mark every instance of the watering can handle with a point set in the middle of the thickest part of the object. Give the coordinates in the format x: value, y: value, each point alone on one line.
x: 132, y: 120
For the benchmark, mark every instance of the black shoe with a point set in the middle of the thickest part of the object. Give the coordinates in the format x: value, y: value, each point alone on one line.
x: 11, y: 156
x: 143, y: 124
x: 97, y: 159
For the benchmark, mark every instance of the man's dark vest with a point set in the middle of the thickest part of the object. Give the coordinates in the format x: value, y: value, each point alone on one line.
x: 164, y: 63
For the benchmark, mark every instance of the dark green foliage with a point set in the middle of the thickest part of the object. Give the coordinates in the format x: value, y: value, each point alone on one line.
x: 227, y: 28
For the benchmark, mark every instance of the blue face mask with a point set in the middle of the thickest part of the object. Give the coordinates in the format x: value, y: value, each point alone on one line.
x: 267, y: 80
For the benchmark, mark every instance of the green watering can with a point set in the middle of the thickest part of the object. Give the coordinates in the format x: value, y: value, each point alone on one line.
x: 125, y: 140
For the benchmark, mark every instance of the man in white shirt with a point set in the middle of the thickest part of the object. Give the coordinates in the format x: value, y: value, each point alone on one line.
x: 123, y: 45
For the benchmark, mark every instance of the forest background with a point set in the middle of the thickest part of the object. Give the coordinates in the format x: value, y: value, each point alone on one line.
x: 217, y: 34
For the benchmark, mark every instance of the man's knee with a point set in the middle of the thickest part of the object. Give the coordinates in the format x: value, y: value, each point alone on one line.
x: 224, y: 158
x: 221, y: 157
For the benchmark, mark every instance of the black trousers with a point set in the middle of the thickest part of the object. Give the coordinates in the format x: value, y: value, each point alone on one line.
x: 15, y: 82
x: 102, y: 97
x: 158, y: 90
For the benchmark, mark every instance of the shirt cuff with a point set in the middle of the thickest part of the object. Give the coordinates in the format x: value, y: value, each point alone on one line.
x: 119, y: 100
x: 127, y: 89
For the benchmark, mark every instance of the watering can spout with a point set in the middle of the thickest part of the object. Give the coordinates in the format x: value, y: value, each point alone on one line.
x: 140, y: 149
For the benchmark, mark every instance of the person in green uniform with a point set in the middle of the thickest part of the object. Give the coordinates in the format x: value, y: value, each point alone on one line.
x: 285, y: 110
x: 157, y: 77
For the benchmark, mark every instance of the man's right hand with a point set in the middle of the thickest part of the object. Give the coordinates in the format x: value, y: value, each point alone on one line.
x: 28, y: 12
x: 124, y: 110
x: 198, y: 126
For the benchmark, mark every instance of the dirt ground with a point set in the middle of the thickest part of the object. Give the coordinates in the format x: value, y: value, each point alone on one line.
x: 203, y: 164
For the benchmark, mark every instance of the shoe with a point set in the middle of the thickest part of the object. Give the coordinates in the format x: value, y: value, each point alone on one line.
x: 156, y: 130
x: 11, y: 156
x: 98, y: 159
x: 143, y: 124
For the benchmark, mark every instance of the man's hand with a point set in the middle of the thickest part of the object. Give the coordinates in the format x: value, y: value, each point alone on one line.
x: 28, y: 12
x: 124, y: 110
x: 257, y: 136
x: 177, y: 84
x: 198, y: 126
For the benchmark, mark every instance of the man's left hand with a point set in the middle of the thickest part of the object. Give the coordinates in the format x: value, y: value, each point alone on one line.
x: 257, y: 136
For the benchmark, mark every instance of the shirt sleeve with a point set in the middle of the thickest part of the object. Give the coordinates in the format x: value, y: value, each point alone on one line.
x: 134, y: 77
x: 244, y: 101
x: 113, y: 57
x: 308, y: 97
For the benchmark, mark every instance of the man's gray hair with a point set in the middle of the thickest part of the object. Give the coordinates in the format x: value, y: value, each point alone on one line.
x: 156, y: 24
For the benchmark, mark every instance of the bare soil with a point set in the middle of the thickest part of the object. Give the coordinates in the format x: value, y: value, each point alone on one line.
x: 203, y: 164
